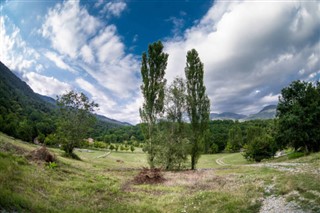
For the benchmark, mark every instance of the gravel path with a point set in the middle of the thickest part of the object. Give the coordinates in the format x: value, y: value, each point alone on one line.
x: 275, y: 204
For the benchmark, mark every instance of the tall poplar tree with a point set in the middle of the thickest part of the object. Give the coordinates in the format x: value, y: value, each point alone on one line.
x: 152, y: 71
x: 198, y: 104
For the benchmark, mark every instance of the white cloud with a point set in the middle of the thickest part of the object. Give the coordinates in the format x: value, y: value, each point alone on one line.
x: 96, y: 94
x: 59, y: 61
x: 14, y: 52
x: 97, y: 50
x: 248, y: 46
x: 114, y: 8
x: 44, y: 85
x: 107, y: 106
x: 68, y: 26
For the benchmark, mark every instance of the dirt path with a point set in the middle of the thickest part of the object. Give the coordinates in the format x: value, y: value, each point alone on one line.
x: 104, y: 155
x: 220, y: 162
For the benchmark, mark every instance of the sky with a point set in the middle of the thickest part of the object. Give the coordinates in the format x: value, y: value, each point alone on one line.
x: 250, y: 49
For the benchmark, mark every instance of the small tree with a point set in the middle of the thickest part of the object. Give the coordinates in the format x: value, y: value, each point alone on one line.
x: 174, y: 150
x: 198, y: 104
x: 75, y: 119
x: 261, y: 147
x: 132, y: 148
x: 152, y: 71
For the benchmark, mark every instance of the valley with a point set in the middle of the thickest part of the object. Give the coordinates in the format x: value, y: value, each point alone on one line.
x: 222, y: 183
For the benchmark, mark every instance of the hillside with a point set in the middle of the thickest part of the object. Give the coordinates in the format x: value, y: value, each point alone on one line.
x: 226, y: 116
x: 268, y: 112
x: 224, y: 183
x: 25, y: 114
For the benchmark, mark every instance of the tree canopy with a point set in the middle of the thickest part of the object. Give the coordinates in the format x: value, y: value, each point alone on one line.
x: 198, y: 104
x: 299, y: 116
x: 75, y: 119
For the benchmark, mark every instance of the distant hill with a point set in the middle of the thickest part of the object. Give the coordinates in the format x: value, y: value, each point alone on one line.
x: 113, y: 121
x: 25, y: 114
x: 226, y: 116
x: 268, y: 112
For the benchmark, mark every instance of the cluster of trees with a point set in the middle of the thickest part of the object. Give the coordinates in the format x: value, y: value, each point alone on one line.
x: 122, y: 134
x: 168, y: 140
x: 23, y: 114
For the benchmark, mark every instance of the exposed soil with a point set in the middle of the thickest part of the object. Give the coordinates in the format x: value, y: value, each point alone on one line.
x: 41, y: 154
x: 149, y: 176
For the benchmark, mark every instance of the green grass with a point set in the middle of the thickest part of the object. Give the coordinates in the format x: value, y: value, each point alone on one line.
x: 105, y: 184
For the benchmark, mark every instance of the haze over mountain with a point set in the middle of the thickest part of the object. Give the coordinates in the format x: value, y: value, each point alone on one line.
x: 250, y: 50
x: 268, y: 112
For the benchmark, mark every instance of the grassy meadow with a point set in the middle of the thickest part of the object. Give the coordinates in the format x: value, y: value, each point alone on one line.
x: 103, y: 182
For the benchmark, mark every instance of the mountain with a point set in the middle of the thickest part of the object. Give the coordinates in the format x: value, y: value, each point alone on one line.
x: 268, y: 112
x: 226, y: 116
x: 25, y: 114
x: 112, y: 121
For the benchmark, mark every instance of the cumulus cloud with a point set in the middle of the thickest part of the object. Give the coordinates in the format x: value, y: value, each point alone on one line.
x: 44, y: 85
x: 14, y: 52
x: 248, y: 46
x: 95, y: 48
x: 107, y: 106
x: 68, y: 26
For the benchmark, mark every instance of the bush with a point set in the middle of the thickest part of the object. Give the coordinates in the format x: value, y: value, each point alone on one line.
x: 262, y: 147
x: 111, y: 147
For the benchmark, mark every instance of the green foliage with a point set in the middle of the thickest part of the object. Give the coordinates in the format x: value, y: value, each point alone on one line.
x: 111, y: 147
x: 235, y: 140
x: 152, y: 71
x: 173, y: 146
x: 299, y: 115
x: 198, y: 104
x: 75, y: 119
x: 99, y: 144
x: 52, y: 165
x: 51, y: 140
x: 260, y: 147
x: 213, y: 149
x: 23, y: 113
x: 132, y: 148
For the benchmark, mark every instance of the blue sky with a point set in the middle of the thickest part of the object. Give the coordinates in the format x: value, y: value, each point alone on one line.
x: 250, y: 49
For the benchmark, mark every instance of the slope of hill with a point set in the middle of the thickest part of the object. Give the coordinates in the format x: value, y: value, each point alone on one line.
x: 25, y: 114
x: 226, y: 116
x: 223, y: 183
x: 268, y: 112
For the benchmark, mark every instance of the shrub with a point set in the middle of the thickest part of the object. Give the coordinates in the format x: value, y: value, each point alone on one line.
x: 52, y: 165
x: 262, y: 147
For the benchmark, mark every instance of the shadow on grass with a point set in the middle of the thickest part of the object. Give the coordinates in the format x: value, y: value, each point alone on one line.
x: 71, y: 155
